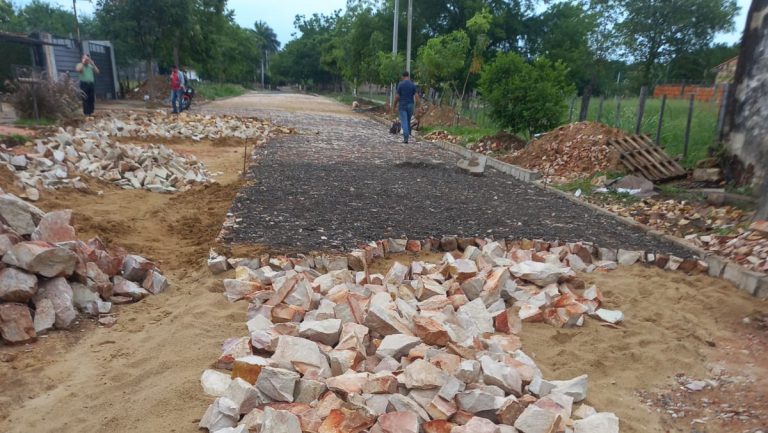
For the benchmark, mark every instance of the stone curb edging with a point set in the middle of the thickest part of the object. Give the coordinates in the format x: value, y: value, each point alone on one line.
x: 754, y: 283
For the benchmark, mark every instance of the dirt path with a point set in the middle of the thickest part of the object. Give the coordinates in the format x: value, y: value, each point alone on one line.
x: 142, y: 375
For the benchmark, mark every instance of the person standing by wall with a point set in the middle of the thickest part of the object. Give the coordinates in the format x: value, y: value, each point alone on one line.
x: 177, y: 88
x: 406, y: 98
x: 86, y: 68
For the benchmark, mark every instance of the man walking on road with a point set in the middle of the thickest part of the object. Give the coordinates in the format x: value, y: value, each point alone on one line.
x: 177, y: 88
x: 406, y: 95
x: 86, y: 68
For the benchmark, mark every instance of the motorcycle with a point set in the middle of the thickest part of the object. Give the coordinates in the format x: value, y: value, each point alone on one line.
x: 186, y: 98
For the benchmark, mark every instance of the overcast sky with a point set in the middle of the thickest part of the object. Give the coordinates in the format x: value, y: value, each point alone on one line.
x: 280, y: 14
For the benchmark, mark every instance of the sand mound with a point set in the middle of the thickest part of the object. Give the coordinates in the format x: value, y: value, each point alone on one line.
x: 570, y: 152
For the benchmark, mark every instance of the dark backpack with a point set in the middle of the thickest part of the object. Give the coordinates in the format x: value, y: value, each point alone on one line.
x: 395, y: 128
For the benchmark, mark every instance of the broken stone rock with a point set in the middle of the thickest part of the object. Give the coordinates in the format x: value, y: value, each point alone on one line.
x: 576, y: 387
x: 135, y: 268
x: 129, y: 289
x: 19, y: 215
x: 541, y: 274
x: 59, y: 292
x: 322, y: 331
x: 42, y: 258
x: 537, y: 420
x: 16, y: 285
x: 301, y: 355
x: 501, y: 375
x: 55, y: 227
x: 16, y: 326
x: 223, y: 413
x: 243, y: 394
x: 477, y: 425
x: 421, y: 374
x: 45, y: 315
x: 279, y: 421
x: 215, y: 383
x: 397, y: 422
x: 604, y: 422
x: 277, y: 383
x: 397, y: 345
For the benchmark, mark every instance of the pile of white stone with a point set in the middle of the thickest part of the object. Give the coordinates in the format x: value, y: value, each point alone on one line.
x: 60, y: 161
x: 428, y: 347
x: 194, y: 127
x: 47, y: 275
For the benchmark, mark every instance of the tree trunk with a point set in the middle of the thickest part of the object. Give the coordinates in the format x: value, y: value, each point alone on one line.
x: 746, y: 126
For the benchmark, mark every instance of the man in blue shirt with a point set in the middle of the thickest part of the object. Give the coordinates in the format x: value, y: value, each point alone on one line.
x: 406, y: 97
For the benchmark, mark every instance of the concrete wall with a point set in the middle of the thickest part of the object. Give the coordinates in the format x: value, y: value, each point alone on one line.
x: 747, y: 118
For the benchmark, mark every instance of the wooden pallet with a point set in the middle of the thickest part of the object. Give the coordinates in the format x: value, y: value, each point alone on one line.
x: 640, y: 154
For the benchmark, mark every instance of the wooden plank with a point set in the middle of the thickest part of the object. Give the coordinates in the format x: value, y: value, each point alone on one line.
x: 640, y: 153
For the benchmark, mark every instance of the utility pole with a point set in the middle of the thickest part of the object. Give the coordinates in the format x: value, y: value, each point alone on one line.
x: 394, y: 47
x: 77, y: 26
x: 410, y: 27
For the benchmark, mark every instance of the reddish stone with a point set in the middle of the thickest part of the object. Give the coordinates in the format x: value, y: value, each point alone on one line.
x: 430, y: 331
x: 287, y: 313
x: 16, y: 325
x: 462, y: 417
x: 413, y: 246
x: 55, y: 227
x: 438, y: 426
x: 661, y: 261
x: 398, y: 422
x: 449, y: 243
x: 347, y: 421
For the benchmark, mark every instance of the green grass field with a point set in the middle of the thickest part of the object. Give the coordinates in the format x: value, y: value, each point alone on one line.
x: 703, y: 123
x: 213, y: 91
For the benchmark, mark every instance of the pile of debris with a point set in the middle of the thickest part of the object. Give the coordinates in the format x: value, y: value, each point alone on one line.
x: 723, y: 230
x: 442, y: 136
x: 570, y: 152
x: 747, y: 247
x: 47, y: 275
x: 193, y: 127
x: 431, y: 347
x: 60, y: 161
x: 503, y: 142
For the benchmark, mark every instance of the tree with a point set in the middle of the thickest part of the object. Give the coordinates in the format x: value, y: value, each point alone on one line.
x: 525, y: 97
x: 441, y: 60
x: 562, y: 33
x: 654, y: 31
x: 267, y: 44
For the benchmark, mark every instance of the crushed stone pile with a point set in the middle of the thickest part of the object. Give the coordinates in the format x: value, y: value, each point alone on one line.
x: 503, y: 142
x: 48, y: 276
x: 428, y: 347
x: 724, y: 230
x: 570, y: 152
x: 193, y: 127
x: 442, y: 136
x: 60, y: 161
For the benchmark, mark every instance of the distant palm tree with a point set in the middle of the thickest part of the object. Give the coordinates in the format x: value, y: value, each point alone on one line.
x: 268, y: 44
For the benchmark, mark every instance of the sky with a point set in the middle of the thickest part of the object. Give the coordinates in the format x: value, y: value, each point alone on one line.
x: 280, y: 14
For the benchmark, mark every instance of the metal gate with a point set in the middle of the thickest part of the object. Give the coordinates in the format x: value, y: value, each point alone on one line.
x: 105, y: 82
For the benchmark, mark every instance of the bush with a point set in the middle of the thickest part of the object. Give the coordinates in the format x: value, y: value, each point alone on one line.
x: 526, y: 97
x: 61, y: 99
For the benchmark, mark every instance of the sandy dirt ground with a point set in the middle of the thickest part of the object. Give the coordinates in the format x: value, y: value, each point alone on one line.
x: 142, y: 375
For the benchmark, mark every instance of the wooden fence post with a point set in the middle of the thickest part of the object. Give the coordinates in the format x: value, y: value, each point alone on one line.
x: 641, y: 109
x: 688, y: 125
x: 600, y: 108
x: 661, y: 119
x: 618, y: 112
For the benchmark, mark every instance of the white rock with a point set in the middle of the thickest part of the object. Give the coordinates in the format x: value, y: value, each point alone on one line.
x: 279, y: 421
x: 610, y: 316
x: 627, y: 258
x: 576, y: 387
x: 223, y: 413
x: 59, y: 292
x: 541, y: 274
x: 321, y: 331
x: 277, y: 383
x: 397, y: 345
x: 215, y: 383
x: 302, y: 355
x: 604, y: 422
x: 537, y: 420
x: 243, y: 394
x: 501, y: 375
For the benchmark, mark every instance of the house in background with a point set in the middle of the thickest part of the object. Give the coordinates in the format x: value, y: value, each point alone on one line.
x: 726, y: 71
x: 42, y: 52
